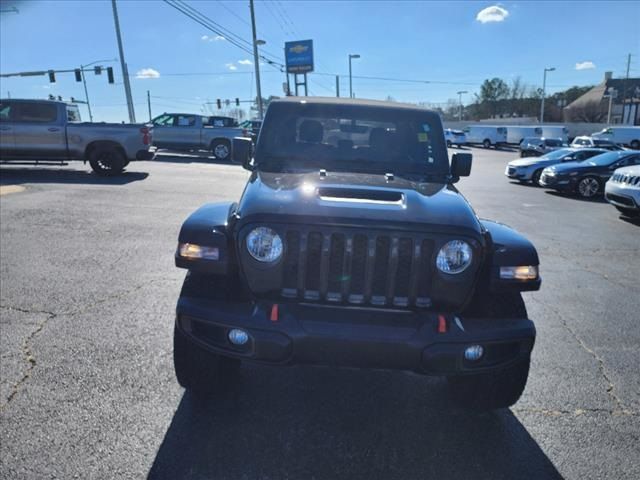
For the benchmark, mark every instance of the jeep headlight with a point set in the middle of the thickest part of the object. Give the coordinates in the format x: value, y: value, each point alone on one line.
x: 264, y: 244
x: 454, y: 257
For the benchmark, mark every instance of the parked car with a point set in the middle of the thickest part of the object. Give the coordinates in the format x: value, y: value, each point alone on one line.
x: 627, y: 136
x: 486, y: 135
x: 556, y: 131
x: 455, y: 137
x: 253, y: 128
x: 357, y: 255
x: 623, y: 190
x: 189, y: 132
x: 534, y: 147
x: 530, y: 169
x: 587, y: 179
x: 590, y: 142
x: 46, y: 130
x: 517, y: 133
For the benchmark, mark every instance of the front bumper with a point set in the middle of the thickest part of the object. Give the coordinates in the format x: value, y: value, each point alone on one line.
x: 146, y: 154
x: 563, y: 183
x: 353, y: 336
x: 518, y: 173
x: 622, y: 195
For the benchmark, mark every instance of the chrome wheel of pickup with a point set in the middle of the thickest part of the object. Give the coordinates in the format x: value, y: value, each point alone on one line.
x: 221, y: 149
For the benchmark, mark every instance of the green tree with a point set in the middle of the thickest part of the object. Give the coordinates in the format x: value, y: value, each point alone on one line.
x: 491, y: 93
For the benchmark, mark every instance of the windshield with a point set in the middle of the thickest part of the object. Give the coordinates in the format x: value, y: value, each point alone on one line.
x: 606, y: 159
x: 351, y: 138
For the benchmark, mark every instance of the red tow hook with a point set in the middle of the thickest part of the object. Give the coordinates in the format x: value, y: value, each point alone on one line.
x: 442, y: 324
x: 274, y: 313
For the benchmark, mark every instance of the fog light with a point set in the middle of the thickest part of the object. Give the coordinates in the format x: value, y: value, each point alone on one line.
x: 238, y: 337
x: 473, y: 353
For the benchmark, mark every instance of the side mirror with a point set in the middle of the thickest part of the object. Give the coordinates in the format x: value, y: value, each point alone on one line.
x: 460, y: 165
x: 242, y: 152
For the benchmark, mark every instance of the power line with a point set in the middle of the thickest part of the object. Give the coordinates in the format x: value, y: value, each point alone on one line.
x: 233, y: 13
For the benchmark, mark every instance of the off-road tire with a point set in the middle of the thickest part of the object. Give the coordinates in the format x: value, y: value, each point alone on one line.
x: 107, y: 160
x: 201, y: 372
x: 498, y: 389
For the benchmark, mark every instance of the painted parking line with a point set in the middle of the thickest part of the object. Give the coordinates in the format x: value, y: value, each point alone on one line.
x: 7, y: 189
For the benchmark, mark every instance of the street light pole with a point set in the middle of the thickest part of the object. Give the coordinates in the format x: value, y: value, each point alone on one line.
x: 86, y: 92
x: 256, y: 59
x: 351, y: 56
x: 460, y: 103
x: 123, y: 65
x: 544, y: 87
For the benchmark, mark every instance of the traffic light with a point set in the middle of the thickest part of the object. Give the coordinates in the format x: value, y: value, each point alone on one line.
x: 78, y: 75
x: 97, y: 70
x: 52, y: 76
x: 237, y: 102
x: 110, y: 74
x: 219, y: 102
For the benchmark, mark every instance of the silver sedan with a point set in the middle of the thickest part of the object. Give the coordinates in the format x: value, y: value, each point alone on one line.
x: 529, y: 169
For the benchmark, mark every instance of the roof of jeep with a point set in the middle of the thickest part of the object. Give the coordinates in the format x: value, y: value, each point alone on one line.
x: 334, y: 101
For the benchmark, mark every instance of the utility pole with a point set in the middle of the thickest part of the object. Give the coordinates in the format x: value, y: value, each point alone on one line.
x: 544, y: 87
x: 256, y: 60
x: 123, y: 65
x: 460, y: 103
x: 149, y: 103
x: 624, y: 87
x: 86, y: 92
x: 338, y: 86
x: 351, y: 56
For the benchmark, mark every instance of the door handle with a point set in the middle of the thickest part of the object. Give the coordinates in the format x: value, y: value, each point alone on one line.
x: 53, y: 129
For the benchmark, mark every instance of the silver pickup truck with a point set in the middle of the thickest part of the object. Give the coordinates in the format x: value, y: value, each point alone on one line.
x: 44, y: 130
x: 189, y: 132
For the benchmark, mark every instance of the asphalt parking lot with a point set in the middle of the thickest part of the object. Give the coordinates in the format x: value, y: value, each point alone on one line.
x: 87, y: 390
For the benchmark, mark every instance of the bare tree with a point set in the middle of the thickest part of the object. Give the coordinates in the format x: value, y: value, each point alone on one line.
x: 589, y: 112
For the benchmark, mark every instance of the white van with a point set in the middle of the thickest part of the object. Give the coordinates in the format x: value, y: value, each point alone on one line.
x: 516, y: 133
x: 487, y: 136
x: 627, y: 136
x: 556, y: 131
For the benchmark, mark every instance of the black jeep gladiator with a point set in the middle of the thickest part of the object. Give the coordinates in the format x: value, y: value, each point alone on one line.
x: 351, y: 246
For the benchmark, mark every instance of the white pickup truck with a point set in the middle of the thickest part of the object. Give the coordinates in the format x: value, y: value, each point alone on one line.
x: 190, y: 132
x: 45, y: 130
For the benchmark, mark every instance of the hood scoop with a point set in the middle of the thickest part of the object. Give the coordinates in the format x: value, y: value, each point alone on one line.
x: 361, y: 195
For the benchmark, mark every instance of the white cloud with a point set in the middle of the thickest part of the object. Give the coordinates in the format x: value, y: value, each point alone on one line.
x: 585, y: 65
x: 207, y: 38
x: 245, y: 62
x: 493, y: 13
x: 231, y: 66
x: 147, y: 73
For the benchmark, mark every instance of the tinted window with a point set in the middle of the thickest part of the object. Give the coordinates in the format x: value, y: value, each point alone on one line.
x: 552, y: 142
x: 5, y: 112
x: 606, y: 159
x: 343, y: 137
x: 164, y: 120
x: 73, y: 114
x: 37, y: 112
x: 184, y: 121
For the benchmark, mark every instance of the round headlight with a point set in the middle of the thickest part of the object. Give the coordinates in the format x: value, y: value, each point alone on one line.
x: 264, y: 244
x: 454, y: 257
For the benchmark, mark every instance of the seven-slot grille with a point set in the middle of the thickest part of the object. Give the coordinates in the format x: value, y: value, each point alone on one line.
x: 626, y: 178
x: 380, y: 269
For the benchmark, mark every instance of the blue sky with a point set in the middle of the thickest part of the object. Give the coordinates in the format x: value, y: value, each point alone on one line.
x: 438, y: 41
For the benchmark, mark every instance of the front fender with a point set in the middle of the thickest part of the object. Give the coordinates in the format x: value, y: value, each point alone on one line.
x: 509, y: 249
x: 209, y: 227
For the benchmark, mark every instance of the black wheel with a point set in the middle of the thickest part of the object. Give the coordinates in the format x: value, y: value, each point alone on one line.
x: 499, y: 389
x: 628, y: 212
x: 449, y: 144
x: 486, y: 143
x: 535, y: 178
x: 221, y: 149
x: 199, y: 371
x: 107, y: 160
x: 635, y: 144
x: 588, y: 187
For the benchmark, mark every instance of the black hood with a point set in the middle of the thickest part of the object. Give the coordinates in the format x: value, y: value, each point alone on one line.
x: 355, y: 198
x: 582, y: 167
